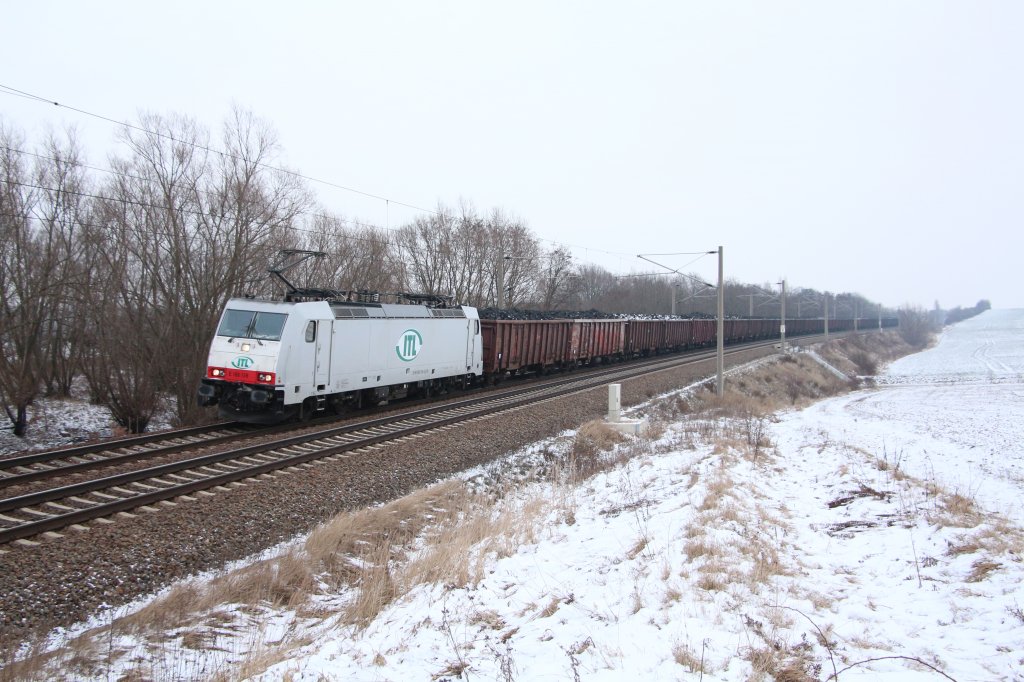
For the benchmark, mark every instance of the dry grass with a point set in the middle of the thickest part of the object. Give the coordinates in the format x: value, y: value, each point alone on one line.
x: 864, y: 362
x: 767, y: 564
x: 996, y: 536
x: 36, y: 665
x: 776, y: 659
x: 638, y: 548
x: 550, y: 609
x: 689, y: 659
x: 638, y: 602
x: 258, y: 660
x: 719, y: 490
x: 957, y: 511
x: 593, y: 439
x: 376, y: 588
x: 711, y: 582
x: 696, y: 549
x: 981, y: 569
x: 334, y: 546
x: 865, y: 353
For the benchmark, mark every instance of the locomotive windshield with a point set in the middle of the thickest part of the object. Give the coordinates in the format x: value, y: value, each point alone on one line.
x: 248, y: 324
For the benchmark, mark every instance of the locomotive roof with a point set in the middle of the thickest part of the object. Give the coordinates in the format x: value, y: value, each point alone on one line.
x: 351, y: 310
x: 348, y: 310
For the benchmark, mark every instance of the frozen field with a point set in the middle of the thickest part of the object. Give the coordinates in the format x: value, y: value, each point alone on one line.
x: 877, y: 538
x: 858, y: 511
x: 955, y: 411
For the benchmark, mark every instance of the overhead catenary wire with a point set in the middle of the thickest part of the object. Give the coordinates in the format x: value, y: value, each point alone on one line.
x: 333, y: 253
x: 80, y: 164
x: 21, y: 93
x: 187, y: 211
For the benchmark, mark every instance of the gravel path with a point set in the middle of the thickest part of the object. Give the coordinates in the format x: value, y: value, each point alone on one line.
x: 63, y: 581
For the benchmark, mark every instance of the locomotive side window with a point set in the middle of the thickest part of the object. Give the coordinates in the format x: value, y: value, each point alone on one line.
x: 311, y: 332
x: 252, y: 325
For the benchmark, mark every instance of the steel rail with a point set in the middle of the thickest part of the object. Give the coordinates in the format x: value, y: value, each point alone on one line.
x: 108, y: 445
x: 76, y: 467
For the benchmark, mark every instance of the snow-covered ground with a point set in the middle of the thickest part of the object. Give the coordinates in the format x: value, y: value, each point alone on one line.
x: 879, y: 537
x: 59, y: 422
x: 656, y: 575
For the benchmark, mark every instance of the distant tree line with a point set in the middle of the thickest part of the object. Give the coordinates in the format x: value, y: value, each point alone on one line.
x: 119, y: 275
x: 959, y: 314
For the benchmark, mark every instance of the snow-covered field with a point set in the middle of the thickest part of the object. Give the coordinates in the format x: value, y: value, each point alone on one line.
x: 879, y: 537
x: 654, y: 576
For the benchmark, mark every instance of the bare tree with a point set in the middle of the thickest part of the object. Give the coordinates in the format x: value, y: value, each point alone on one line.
x: 38, y: 225
x: 128, y: 341
x: 595, y: 284
x: 558, y: 280
x: 916, y: 326
x: 63, y: 208
x: 358, y: 257
x: 190, y: 228
x: 510, y: 241
x: 424, y: 246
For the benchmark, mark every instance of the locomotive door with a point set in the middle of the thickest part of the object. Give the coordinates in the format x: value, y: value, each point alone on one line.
x: 322, y: 361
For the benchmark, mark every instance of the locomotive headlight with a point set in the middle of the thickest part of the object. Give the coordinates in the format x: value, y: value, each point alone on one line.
x: 246, y: 347
x: 217, y: 372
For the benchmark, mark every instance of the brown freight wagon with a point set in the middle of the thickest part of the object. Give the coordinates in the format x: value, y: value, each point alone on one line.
x: 704, y: 332
x: 645, y: 337
x: 799, y: 327
x: 764, y: 328
x: 679, y: 334
x: 596, y: 339
x: 525, y: 345
x: 734, y: 330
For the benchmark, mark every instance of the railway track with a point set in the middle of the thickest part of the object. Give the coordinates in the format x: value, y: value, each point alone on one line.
x: 22, y: 469
x: 53, y: 509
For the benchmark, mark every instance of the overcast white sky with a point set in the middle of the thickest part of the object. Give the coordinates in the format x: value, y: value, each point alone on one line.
x: 867, y: 146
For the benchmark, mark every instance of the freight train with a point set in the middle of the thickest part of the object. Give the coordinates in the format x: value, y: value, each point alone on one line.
x: 272, y: 361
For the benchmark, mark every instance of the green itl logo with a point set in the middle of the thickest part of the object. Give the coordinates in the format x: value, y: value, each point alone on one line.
x: 409, y: 344
x: 242, y: 362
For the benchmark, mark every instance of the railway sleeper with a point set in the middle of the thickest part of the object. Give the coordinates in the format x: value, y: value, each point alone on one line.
x: 146, y: 486
x: 181, y: 478
x: 213, y: 470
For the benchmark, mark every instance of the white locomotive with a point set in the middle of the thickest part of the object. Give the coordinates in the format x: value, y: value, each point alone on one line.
x: 274, y: 360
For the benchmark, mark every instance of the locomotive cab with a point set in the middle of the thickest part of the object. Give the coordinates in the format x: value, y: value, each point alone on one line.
x: 243, y: 373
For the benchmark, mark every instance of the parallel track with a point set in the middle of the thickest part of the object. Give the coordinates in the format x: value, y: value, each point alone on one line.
x: 47, y: 464
x: 54, y: 509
